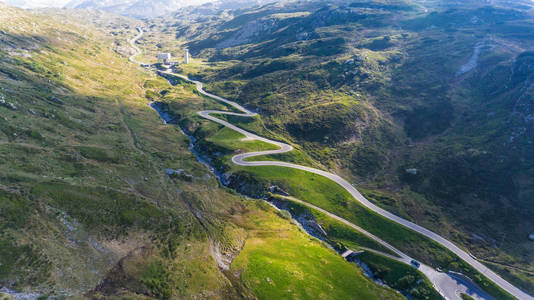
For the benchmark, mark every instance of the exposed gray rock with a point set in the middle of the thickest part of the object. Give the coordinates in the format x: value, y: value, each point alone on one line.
x: 302, y: 36
x: 180, y: 174
x: 247, y: 32
x: 277, y: 190
x: 55, y: 100
x: 411, y: 171
x: 6, y: 104
x: 17, y: 295
x: 305, y: 218
x: 172, y: 172
x: 473, y: 60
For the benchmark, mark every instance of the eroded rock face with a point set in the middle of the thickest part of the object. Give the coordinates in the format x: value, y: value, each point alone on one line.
x: 7, y: 104
x: 304, y: 218
x: 163, y: 110
x: 246, y: 184
x: 223, y: 255
x: 248, y: 32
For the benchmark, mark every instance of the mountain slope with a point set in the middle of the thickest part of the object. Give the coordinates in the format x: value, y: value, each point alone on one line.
x: 426, y: 105
x: 90, y: 206
x: 154, y: 8
x: 36, y: 3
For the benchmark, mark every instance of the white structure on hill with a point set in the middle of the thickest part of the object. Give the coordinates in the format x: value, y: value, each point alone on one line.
x: 186, y: 56
x: 164, y: 57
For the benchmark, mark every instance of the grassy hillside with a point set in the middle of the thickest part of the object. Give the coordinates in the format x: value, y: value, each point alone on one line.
x: 88, y: 206
x: 424, y: 105
x: 83, y: 173
x: 324, y: 193
x: 272, y: 264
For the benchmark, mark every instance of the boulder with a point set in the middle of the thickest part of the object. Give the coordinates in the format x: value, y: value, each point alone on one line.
x: 179, y: 174
x: 531, y: 237
x: 55, y: 100
x: 277, y: 190
x: 9, y: 105
x: 411, y: 171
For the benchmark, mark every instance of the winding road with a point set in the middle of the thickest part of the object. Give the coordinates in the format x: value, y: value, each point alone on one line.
x: 137, y: 51
x: 447, y: 285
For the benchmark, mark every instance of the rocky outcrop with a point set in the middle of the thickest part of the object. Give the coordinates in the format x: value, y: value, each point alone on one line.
x: 245, y: 183
x: 7, y: 104
x: 303, y: 217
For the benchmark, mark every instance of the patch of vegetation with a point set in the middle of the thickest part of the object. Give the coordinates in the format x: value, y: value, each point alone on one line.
x: 22, y: 265
x: 93, y: 208
x: 15, y: 211
x: 225, y: 140
x: 156, y: 278
x: 399, y: 276
x: 340, y: 235
x: 279, y: 261
x: 466, y: 297
x: 99, y: 154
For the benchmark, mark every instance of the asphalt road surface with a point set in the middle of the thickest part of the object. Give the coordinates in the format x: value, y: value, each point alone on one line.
x: 136, y: 49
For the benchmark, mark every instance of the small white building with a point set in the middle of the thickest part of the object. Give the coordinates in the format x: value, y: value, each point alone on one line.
x: 164, y: 57
x: 186, y: 56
